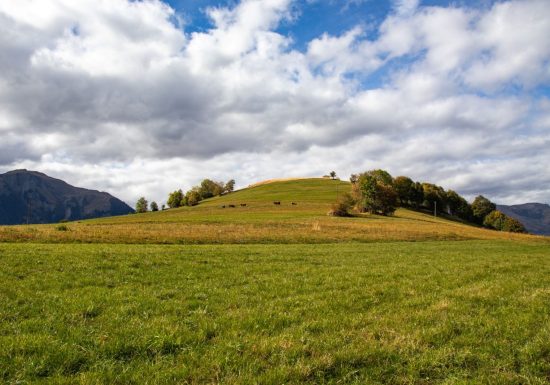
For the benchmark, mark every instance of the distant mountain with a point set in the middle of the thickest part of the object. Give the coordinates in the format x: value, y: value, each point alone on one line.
x: 534, y: 216
x: 33, y: 197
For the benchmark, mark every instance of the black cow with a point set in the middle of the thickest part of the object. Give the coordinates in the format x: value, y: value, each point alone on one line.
x: 278, y: 203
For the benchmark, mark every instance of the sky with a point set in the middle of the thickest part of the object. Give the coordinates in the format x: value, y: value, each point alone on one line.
x: 140, y: 98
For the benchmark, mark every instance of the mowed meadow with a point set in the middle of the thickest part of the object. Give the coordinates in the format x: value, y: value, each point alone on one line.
x: 269, y: 294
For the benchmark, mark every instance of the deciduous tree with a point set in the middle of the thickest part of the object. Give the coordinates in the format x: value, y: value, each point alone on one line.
x: 513, y: 225
x: 481, y: 207
x: 404, y: 187
x: 458, y: 206
x: 374, y: 192
x: 141, y: 205
x: 494, y: 220
x: 193, y: 197
x: 434, y: 197
x: 229, y: 186
x: 209, y: 188
x: 154, y: 206
x: 175, y: 199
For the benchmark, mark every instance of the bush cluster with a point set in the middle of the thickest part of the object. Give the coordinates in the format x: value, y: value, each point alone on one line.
x: 207, y: 189
x: 377, y: 192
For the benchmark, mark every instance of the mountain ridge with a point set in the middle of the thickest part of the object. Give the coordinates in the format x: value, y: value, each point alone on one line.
x: 534, y: 216
x: 34, y: 197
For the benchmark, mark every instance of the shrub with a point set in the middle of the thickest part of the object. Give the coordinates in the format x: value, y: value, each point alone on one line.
x: 342, y: 207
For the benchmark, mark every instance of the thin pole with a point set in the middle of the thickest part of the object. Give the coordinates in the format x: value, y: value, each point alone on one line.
x: 435, y: 209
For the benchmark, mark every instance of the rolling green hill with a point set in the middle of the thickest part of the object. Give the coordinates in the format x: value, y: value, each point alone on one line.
x: 260, y: 221
x: 309, y: 191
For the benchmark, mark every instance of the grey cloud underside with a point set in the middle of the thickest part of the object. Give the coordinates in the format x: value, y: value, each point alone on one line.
x: 118, y: 83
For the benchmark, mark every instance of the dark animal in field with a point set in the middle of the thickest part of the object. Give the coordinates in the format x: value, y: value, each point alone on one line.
x: 294, y: 203
x: 232, y: 206
x: 243, y: 204
x: 277, y: 203
x: 223, y: 207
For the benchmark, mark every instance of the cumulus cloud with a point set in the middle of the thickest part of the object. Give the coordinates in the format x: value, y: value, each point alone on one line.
x: 115, y: 94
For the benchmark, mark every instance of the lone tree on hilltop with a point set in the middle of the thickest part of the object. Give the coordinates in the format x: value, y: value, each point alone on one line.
x: 154, y: 206
x: 141, y: 205
x: 333, y: 175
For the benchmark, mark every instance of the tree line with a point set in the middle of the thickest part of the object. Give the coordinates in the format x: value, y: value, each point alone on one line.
x: 377, y: 192
x: 206, y: 189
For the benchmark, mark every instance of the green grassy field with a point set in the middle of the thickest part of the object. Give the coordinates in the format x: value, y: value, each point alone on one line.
x: 384, y: 313
x: 307, y: 299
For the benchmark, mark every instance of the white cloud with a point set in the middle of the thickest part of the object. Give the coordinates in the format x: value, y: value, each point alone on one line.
x: 112, y: 94
x: 514, y: 40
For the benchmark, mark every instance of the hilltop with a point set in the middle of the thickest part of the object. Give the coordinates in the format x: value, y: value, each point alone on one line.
x: 301, y: 217
x: 34, y: 197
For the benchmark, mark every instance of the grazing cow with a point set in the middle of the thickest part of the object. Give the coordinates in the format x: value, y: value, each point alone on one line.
x: 294, y: 203
x: 232, y: 206
x: 243, y: 204
x: 278, y: 203
x: 223, y: 207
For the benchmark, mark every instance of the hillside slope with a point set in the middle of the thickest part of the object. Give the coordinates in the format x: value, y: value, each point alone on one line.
x: 33, y: 197
x: 534, y: 216
x: 250, y: 216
